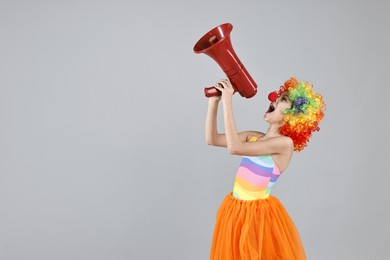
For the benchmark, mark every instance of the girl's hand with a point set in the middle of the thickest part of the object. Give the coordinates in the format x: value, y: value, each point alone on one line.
x: 225, y: 86
x: 215, y: 98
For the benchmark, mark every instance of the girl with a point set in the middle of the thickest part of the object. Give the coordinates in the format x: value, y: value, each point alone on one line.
x: 251, y: 223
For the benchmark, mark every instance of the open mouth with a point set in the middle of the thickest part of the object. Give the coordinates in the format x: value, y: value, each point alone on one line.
x: 271, y: 108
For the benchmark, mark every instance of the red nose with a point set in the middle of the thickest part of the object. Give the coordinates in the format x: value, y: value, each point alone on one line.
x: 272, y: 96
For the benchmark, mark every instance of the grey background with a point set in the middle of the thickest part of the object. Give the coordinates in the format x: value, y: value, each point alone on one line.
x: 102, y: 151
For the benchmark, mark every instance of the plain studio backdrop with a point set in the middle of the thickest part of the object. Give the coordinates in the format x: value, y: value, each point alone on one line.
x: 102, y: 148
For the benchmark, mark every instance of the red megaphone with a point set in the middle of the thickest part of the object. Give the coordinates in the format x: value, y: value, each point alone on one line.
x: 216, y: 44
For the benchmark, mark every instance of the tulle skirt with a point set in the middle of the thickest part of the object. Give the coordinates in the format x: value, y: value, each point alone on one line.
x: 257, y: 229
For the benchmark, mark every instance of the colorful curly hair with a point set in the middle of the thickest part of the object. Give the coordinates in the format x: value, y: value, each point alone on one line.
x: 305, y: 114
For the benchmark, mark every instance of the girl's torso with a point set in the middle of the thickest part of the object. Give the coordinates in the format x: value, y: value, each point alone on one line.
x: 255, y: 176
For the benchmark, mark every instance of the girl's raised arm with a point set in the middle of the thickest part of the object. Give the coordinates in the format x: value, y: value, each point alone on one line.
x: 213, y: 137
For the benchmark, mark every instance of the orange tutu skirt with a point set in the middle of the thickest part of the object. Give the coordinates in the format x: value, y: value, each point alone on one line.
x: 257, y: 229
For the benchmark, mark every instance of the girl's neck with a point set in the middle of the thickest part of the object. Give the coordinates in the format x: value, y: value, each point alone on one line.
x: 273, y: 131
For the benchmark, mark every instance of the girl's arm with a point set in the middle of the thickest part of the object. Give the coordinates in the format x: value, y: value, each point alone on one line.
x: 235, y: 144
x: 211, y: 129
x: 212, y: 135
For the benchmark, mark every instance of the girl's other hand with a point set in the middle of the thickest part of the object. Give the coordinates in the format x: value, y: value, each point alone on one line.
x: 225, y: 86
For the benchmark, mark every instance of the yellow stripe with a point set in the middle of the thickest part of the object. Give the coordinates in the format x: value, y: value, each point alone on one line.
x: 247, y: 186
x: 248, y: 195
x: 254, y: 138
x: 242, y: 195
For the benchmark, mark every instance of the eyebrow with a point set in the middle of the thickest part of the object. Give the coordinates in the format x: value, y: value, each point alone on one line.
x: 285, y: 95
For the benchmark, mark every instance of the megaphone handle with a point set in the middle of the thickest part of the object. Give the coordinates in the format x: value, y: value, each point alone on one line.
x: 211, y: 92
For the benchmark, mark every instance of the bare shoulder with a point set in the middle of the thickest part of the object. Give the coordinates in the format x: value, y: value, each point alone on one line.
x: 286, y: 149
x: 279, y: 144
x: 285, y: 143
x: 286, y: 140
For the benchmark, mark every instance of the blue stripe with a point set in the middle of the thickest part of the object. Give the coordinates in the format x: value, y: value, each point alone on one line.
x: 265, y: 160
x: 248, y: 161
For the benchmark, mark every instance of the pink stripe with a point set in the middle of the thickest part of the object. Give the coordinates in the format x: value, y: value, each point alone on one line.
x: 251, y: 178
x: 276, y: 170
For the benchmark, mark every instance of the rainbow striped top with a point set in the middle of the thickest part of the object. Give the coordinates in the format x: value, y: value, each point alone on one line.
x: 255, y: 177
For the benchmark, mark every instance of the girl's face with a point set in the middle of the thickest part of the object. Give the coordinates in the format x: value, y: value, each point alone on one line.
x: 274, y: 113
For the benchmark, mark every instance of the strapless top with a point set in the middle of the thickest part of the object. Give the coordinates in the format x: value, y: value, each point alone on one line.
x: 255, y: 176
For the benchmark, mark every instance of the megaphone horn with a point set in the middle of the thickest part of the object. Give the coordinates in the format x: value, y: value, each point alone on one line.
x: 216, y: 44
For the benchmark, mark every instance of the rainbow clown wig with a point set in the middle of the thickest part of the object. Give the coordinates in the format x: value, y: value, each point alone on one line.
x: 306, y: 112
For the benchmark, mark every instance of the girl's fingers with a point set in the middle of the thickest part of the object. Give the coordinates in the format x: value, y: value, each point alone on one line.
x: 226, y: 86
x: 226, y: 83
x: 219, y: 86
x: 223, y: 84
